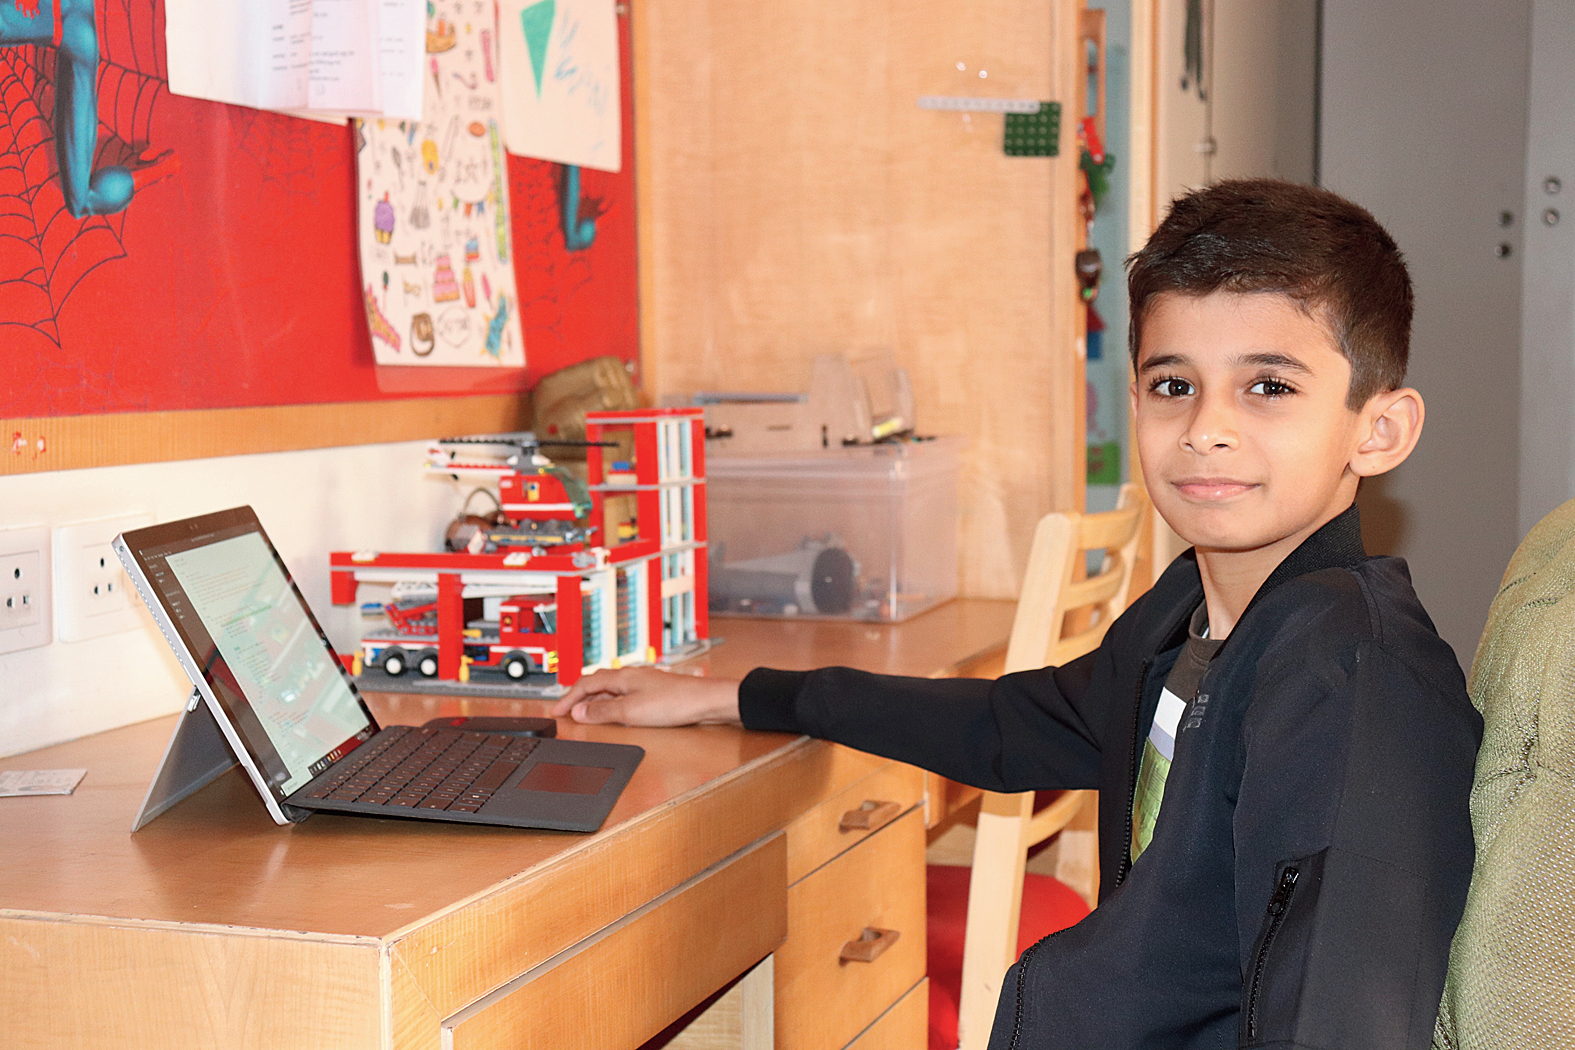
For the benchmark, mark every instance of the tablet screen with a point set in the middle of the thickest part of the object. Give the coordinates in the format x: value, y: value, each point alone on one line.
x: 256, y: 643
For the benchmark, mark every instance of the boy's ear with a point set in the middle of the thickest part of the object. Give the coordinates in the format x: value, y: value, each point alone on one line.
x: 1391, y: 423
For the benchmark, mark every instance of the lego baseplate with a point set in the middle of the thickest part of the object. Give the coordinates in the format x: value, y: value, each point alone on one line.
x: 534, y: 687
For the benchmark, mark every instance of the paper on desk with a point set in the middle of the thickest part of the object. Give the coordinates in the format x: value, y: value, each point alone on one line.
x: 317, y: 58
x: 561, y: 95
x: 40, y: 781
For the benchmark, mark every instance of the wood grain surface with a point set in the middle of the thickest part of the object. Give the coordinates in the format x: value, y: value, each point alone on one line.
x: 74, y: 442
x: 904, y: 1026
x: 795, y: 200
x: 390, y: 926
x: 719, y: 926
x: 823, y: 1002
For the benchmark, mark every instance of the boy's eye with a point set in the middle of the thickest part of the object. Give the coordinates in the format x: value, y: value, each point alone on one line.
x: 1171, y: 386
x: 1271, y: 388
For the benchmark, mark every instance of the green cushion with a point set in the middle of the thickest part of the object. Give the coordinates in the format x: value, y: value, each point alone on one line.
x: 1512, y: 965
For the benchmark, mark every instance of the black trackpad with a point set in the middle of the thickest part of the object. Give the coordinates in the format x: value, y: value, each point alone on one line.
x: 565, y: 780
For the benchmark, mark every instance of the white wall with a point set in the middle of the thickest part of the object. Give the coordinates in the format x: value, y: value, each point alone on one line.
x: 1260, y: 71
x: 1547, y: 384
x: 1423, y: 122
x: 369, y: 496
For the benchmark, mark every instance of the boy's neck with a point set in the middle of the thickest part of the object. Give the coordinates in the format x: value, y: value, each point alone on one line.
x: 1231, y: 578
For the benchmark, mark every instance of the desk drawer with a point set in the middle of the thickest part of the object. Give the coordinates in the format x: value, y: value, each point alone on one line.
x: 624, y: 985
x: 905, y: 1026
x: 827, y: 830
x: 823, y: 1002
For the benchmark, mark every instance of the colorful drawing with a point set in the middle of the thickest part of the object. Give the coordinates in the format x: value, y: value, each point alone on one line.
x: 495, y: 323
x: 383, y: 221
x: 422, y: 337
x: 440, y: 37
x: 378, y: 322
x: 499, y: 195
x: 420, y: 214
x: 444, y: 287
x: 444, y: 203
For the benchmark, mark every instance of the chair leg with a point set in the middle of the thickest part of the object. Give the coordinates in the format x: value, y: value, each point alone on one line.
x: 1077, y: 864
x: 995, y: 897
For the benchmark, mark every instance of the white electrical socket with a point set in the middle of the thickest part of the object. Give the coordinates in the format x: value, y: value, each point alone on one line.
x: 93, y: 597
x: 24, y: 588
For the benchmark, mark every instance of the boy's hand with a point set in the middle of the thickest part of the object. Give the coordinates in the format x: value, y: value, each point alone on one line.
x: 645, y: 696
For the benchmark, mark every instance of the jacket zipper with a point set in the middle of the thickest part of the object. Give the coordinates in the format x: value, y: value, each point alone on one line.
x: 1022, y: 972
x: 1121, y: 869
x: 1276, y: 912
x: 1138, y: 736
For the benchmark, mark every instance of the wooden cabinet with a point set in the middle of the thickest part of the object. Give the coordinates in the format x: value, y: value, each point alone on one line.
x: 903, y: 1027
x: 794, y: 199
x: 856, y: 922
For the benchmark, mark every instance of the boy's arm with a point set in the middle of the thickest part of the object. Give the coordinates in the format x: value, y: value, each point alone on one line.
x: 1353, y: 854
x: 1034, y: 730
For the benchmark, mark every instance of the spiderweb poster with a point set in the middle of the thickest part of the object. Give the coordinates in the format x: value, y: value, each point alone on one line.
x: 204, y: 255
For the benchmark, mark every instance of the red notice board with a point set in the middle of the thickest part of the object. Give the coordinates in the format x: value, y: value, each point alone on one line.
x: 230, y: 279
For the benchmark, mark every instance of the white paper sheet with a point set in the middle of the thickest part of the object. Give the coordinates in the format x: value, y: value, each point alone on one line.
x: 403, y: 27
x: 251, y: 54
x: 436, y: 251
x: 561, y: 96
x: 323, y: 59
x: 346, y: 45
x: 40, y: 781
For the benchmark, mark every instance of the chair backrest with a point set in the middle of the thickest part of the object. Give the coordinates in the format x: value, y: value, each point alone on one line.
x: 1059, y: 618
x: 1052, y: 594
x: 1511, y: 981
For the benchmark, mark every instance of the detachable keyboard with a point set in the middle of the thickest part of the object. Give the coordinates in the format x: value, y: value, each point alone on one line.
x: 425, y: 768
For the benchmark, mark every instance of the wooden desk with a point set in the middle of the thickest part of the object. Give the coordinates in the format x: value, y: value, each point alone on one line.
x: 213, y: 927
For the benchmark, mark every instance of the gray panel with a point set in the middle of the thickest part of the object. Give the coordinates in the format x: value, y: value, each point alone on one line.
x: 1547, y: 422
x: 197, y: 754
x: 1423, y: 113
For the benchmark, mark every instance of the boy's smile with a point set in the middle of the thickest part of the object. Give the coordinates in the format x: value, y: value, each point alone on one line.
x: 1246, y: 443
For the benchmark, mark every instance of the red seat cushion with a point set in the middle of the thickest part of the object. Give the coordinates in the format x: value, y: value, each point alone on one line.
x: 1048, y: 905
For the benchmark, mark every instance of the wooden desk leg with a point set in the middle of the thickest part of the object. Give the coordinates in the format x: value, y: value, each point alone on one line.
x: 743, y: 1019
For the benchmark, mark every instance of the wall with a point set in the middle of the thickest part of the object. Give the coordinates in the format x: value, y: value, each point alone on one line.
x: 1259, y: 116
x: 1423, y: 122
x: 1547, y: 384
x: 310, y: 503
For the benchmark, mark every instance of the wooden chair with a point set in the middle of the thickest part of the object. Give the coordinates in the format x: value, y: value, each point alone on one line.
x: 1060, y: 616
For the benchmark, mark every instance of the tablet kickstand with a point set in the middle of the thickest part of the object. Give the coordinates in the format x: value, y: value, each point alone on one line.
x: 196, y: 754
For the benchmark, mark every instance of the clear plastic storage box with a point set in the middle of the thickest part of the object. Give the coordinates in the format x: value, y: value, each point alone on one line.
x: 861, y: 533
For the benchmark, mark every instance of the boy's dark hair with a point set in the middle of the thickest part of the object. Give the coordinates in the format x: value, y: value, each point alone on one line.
x: 1264, y: 235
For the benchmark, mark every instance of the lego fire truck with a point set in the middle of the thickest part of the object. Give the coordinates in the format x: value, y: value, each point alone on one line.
x: 566, y: 577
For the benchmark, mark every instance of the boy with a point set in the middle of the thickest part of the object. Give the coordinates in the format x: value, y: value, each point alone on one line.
x: 1282, y: 744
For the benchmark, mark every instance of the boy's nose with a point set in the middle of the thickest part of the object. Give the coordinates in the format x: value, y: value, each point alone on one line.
x: 1212, y: 428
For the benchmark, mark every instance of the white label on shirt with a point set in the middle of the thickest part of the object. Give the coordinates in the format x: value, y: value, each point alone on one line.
x: 1163, y: 733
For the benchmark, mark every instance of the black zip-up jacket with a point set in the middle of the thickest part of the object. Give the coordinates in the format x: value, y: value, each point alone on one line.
x: 1313, y: 849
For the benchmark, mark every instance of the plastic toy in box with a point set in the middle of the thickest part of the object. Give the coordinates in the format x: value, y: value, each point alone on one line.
x: 866, y: 532
x: 566, y: 577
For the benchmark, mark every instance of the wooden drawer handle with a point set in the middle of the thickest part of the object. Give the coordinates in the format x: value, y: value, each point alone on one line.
x: 871, y: 816
x: 869, y: 946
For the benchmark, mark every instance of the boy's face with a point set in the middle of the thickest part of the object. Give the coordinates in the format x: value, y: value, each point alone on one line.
x: 1242, y: 429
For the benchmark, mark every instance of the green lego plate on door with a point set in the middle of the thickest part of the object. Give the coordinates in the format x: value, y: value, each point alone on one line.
x: 1034, y: 134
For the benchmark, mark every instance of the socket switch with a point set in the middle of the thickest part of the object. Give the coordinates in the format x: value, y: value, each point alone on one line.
x: 92, y: 594
x: 24, y: 588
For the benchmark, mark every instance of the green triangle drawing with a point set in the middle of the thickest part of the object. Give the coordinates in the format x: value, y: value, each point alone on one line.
x: 537, y: 21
